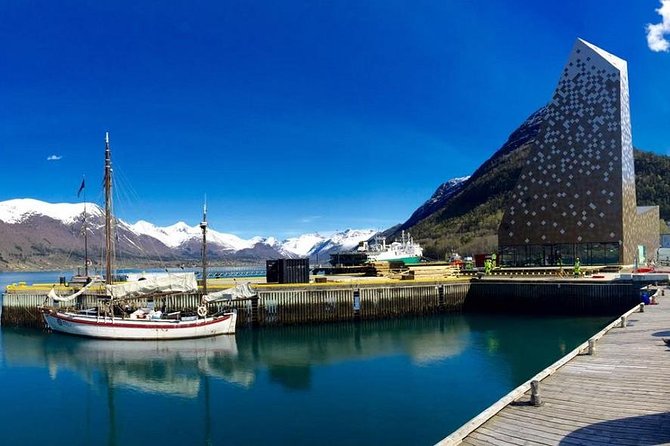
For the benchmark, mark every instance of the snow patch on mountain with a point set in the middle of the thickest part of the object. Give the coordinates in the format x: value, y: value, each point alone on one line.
x: 171, y: 236
x: 448, y: 189
x: 20, y: 209
x: 302, y: 245
x: 179, y: 233
x: 437, y: 200
x: 312, y: 244
x: 344, y: 241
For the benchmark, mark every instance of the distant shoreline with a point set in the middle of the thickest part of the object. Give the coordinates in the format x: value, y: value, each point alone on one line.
x: 74, y: 268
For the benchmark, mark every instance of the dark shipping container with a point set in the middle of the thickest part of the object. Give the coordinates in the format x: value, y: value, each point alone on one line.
x: 287, y: 271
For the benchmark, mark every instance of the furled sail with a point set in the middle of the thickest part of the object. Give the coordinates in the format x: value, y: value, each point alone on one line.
x: 240, y: 291
x: 172, y: 283
x: 52, y: 294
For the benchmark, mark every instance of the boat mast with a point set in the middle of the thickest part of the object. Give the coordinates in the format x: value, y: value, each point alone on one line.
x: 203, y: 226
x: 108, y: 212
x: 85, y: 240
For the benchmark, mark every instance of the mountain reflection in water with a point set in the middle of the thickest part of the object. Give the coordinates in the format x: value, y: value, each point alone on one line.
x: 175, y: 367
x: 420, y: 378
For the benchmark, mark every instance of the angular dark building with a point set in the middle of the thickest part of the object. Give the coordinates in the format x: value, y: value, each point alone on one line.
x: 575, y: 196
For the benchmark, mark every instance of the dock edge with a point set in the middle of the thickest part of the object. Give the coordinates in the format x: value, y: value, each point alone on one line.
x: 458, y: 435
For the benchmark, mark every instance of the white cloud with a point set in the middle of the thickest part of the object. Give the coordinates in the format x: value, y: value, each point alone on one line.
x: 312, y: 218
x: 656, y: 32
x: 54, y: 157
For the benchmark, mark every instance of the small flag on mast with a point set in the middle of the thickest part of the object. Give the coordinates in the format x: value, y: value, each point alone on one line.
x: 81, y: 188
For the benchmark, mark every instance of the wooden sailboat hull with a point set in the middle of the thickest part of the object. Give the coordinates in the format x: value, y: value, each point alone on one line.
x: 138, y: 329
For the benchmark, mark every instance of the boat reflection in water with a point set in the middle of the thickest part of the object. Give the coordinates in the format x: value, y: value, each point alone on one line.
x: 291, y: 385
x: 165, y: 367
x: 176, y: 367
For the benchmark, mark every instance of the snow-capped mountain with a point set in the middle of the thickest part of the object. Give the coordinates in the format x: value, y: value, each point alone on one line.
x: 303, y: 245
x: 342, y: 241
x: 176, y: 235
x: 312, y: 245
x: 44, y: 234
x: 20, y: 209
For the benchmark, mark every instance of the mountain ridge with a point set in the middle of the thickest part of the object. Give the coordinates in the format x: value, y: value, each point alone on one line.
x: 462, y: 215
x: 38, y: 234
x: 467, y: 220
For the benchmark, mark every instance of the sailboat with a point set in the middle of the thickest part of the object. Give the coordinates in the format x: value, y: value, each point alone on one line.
x: 142, y: 324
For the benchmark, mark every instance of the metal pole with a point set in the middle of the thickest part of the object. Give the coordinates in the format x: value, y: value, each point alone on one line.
x: 85, y: 238
x: 203, y: 226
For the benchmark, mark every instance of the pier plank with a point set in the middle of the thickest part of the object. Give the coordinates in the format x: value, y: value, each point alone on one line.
x: 619, y: 395
x: 586, y: 431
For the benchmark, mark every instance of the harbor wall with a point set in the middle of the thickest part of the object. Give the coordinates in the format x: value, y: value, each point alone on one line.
x: 312, y: 304
x: 550, y: 297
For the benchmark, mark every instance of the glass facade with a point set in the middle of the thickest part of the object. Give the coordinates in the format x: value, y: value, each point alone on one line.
x: 560, y: 254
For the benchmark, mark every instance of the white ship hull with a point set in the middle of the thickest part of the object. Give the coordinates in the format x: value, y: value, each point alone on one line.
x: 138, y: 329
x: 393, y: 257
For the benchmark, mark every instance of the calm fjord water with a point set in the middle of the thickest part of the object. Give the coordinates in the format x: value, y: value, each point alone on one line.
x: 409, y: 381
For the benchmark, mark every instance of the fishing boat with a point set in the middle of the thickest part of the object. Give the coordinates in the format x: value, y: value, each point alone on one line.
x: 405, y: 250
x: 115, y: 317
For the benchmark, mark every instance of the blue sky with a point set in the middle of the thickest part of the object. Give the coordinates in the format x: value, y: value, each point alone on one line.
x: 292, y: 116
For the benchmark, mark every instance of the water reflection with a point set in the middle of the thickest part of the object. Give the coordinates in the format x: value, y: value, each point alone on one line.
x: 165, y: 367
x: 294, y: 385
x: 290, y: 353
x: 176, y: 367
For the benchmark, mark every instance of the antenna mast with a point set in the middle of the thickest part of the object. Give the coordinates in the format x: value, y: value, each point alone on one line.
x: 203, y: 226
x: 108, y: 212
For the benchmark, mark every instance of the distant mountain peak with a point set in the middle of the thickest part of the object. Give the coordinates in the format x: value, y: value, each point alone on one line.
x: 49, y: 242
x: 19, y: 209
x: 443, y: 193
x: 181, y: 226
x: 464, y: 215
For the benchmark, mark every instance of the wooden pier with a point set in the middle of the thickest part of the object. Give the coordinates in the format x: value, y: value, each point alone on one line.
x: 619, y: 394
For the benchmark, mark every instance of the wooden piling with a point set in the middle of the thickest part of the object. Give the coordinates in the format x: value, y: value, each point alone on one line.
x: 535, y: 399
x: 591, y: 349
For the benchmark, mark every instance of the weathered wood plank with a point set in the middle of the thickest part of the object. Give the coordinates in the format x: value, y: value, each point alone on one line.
x: 619, y: 395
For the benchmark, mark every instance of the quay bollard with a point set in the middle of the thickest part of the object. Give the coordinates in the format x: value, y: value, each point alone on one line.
x: 592, y: 347
x: 535, y: 399
x: 624, y: 321
x: 641, y: 307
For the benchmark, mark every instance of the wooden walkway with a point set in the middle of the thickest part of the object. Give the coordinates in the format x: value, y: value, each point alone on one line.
x: 619, y: 395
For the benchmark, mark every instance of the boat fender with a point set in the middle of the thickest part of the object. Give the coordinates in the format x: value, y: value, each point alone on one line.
x: 202, y: 311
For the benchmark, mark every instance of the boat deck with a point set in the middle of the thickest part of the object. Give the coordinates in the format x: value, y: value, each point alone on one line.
x: 619, y: 395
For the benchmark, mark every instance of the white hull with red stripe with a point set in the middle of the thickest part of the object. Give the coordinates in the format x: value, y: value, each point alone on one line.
x: 136, y: 329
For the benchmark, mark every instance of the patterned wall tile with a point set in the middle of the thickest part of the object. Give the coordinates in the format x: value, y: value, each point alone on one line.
x: 583, y: 160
